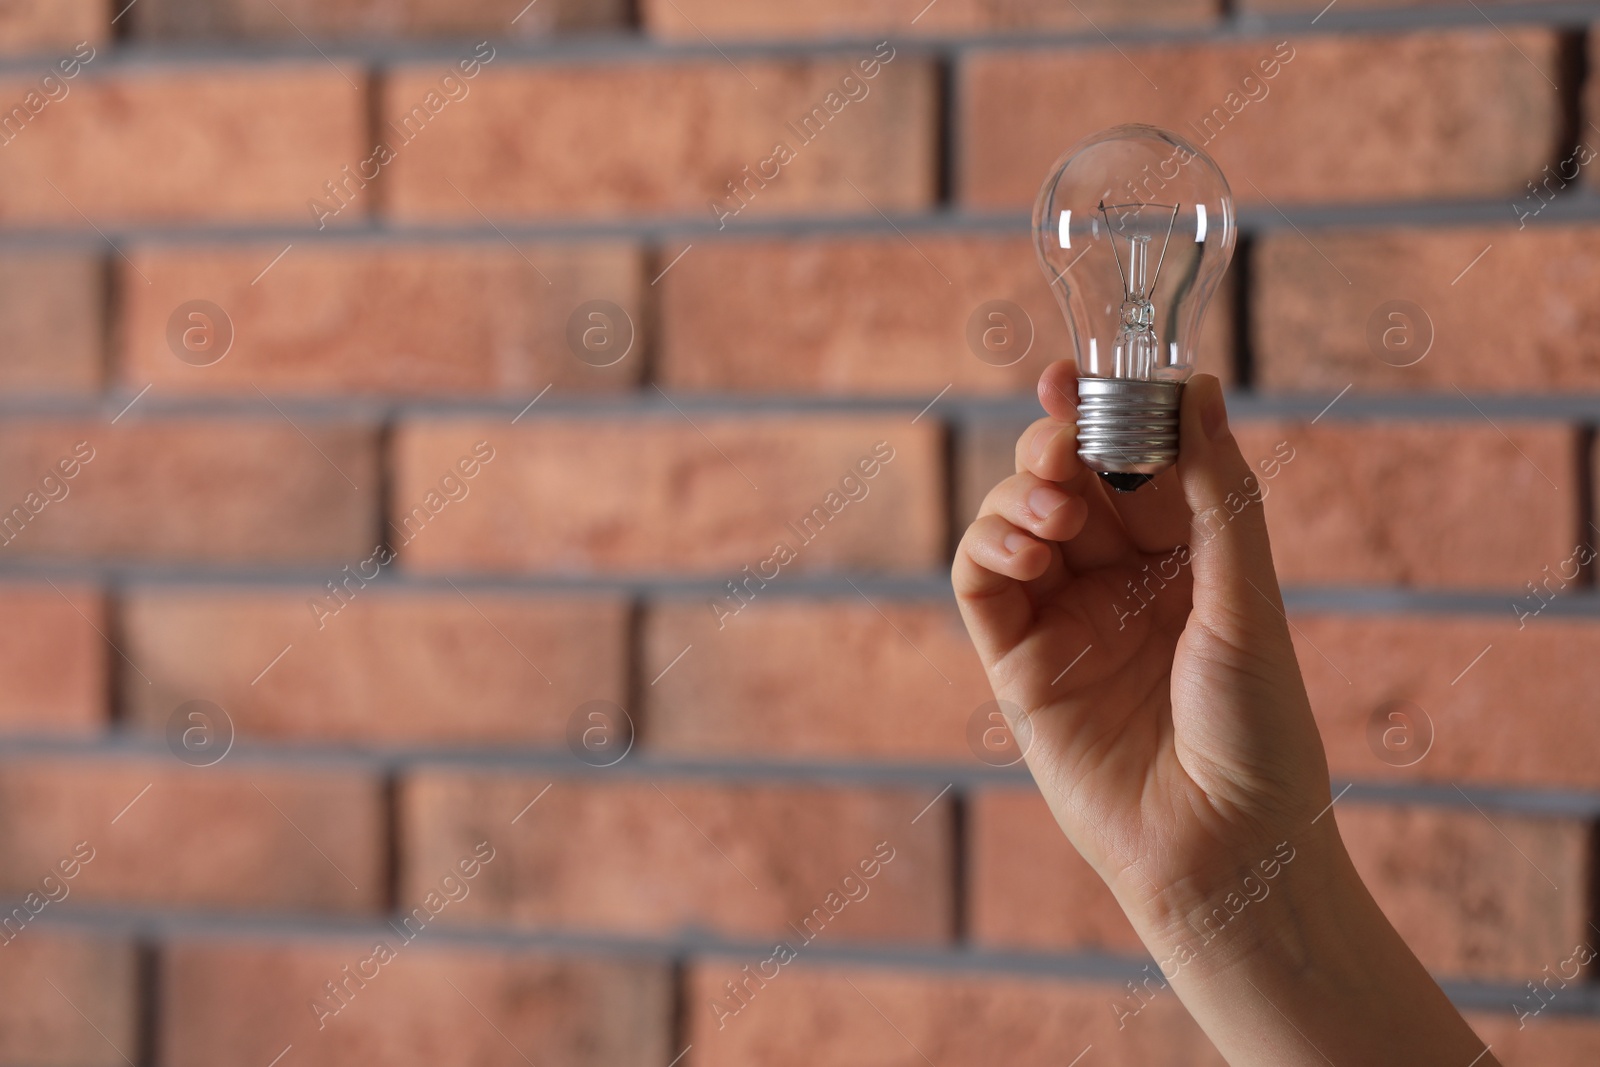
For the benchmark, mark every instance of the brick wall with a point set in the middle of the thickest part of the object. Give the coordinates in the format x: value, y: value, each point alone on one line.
x: 363, y: 486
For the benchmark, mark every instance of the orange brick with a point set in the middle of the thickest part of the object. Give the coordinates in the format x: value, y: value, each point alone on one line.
x: 1027, y: 887
x: 50, y: 313
x: 872, y: 1018
x: 386, y: 668
x: 417, y: 320
x: 222, y: 837
x: 1488, y: 900
x: 1517, y: 320
x: 256, y: 143
x: 794, y: 679
x: 1467, y: 505
x: 53, y: 668
x: 1342, y: 120
x: 660, y: 494
x: 730, y: 19
x: 865, y: 315
x: 41, y: 1025
x: 559, y: 140
x: 257, y: 19
x: 236, y: 1003
x: 671, y: 856
x: 46, y: 25
x: 1507, y: 718
x: 194, y: 489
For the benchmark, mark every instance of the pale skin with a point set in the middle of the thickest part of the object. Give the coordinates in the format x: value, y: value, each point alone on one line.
x: 1179, y: 754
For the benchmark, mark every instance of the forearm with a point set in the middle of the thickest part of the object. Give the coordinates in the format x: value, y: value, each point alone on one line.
x: 1303, y: 968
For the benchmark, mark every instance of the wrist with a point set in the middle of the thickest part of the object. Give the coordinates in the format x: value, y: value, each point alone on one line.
x: 1307, y: 971
x: 1284, y: 900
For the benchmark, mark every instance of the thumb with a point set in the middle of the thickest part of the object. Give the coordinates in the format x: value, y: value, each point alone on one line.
x: 1236, y: 592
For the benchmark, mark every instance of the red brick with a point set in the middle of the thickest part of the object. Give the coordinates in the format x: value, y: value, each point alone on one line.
x: 863, y: 315
x: 560, y: 140
x: 792, y: 679
x: 1460, y: 113
x: 1519, y: 320
x: 221, y: 837
x: 660, y: 494
x: 255, y: 143
x: 1492, y: 900
x: 50, y: 313
x: 195, y: 489
x: 418, y: 320
x: 671, y: 856
x: 1461, y: 504
x: 1545, y: 1038
x: 1027, y: 887
x: 46, y: 25
x: 257, y: 19
x: 53, y: 669
x: 834, y: 18
x: 41, y: 1025
x: 387, y: 668
x: 874, y: 1018
x: 238, y: 1004
x: 1504, y: 719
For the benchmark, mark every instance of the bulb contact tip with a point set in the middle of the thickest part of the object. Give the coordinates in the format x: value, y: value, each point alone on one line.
x: 1123, y: 482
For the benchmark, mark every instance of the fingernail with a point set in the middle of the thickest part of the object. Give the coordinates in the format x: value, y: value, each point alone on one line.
x: 1015, y: 542
x: 1214, y: 416
x: 1045, y: 500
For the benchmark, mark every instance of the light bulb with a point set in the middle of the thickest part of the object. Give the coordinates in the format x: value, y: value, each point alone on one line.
x: 1134, y: 228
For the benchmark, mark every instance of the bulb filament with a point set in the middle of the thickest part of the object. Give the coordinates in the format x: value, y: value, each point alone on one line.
x: 1136, y: 352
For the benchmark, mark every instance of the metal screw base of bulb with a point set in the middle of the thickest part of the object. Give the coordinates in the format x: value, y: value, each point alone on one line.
x: 1128, y: 430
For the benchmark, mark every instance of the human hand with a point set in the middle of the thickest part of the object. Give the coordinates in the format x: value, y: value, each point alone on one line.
x: 1179, y: 753
x: 1180, y: 750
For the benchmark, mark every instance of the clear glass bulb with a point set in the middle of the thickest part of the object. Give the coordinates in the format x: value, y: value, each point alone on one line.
x: 1134, y: 228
